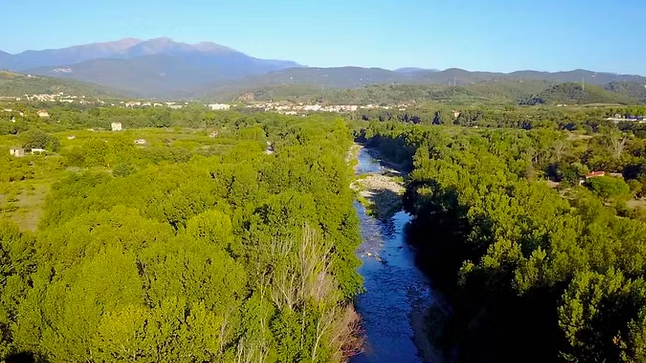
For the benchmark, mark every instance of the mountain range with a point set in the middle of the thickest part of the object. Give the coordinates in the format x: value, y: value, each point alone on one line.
x: 158, y: 67
x: 163, y: 68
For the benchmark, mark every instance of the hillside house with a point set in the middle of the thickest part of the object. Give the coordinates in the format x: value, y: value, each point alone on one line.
x: 43, y: 114
x: 37, y: 150
x: 17, y: 152
x: 140, y: 142
x: 71, y: 137
x: 116, y: 126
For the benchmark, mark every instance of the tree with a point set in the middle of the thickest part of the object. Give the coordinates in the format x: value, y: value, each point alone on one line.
x: 36, y: 139
x: 608, y: 187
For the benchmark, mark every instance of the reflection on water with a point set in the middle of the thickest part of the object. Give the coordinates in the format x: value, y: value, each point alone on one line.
x: 396, y: 291
x: 367, y: 164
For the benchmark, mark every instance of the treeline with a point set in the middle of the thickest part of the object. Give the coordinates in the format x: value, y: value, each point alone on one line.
x: 66, y: 117
x: 531, y: 275
x: 587, y: 120
x: 236, y: 256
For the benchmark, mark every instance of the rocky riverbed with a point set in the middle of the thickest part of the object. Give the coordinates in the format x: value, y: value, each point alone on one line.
x: 395, y: 306
x: 379, y: 190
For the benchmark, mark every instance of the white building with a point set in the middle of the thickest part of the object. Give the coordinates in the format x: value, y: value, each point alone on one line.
x: 17, y: 152
x: 140, y: 142
x: 37, y: 150
x: 219, y: 106
x: 116, y: 126
x: 43, y: 114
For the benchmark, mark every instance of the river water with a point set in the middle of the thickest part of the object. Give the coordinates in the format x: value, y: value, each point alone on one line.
x: 397, y: 294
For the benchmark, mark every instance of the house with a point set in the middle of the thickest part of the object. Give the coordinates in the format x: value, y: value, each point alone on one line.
x: 72, y: 137
x: 213, y: 134
x: 17, y: 152
x: 595, y: 174
x: 456, y: 114
x: 37, y: 150
x: 43, y: 114
x: 116, y: 126
x: 140, y: 142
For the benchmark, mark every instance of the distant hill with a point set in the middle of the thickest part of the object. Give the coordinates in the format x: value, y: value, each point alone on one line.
x: 500, y: 92
x: 574, y: 93
x: 356, y: 77
x: 17, y: 85
x: 635, y: 90
x: 413, y: 69
x: 158, y: 67
x: 578, y: 75
x: 164, y: 75
x: 122, y: 49
x: 4, y: 59
x: 80, y: 53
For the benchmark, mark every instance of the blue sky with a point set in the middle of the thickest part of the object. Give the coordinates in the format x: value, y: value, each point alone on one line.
x: 488, y: 35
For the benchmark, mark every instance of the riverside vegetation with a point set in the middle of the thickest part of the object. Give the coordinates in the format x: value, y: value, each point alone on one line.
x: 188, y: 248
x: 532, y: 273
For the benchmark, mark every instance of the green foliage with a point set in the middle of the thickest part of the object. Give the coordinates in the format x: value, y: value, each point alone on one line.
x: 17, y: 85
x: 35, y: 138
x: 170, y: 253
x: 608, y: 187
x: 575, y: 93
x: 515, y: 258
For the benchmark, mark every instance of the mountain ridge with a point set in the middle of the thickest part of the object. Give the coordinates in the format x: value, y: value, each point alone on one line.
x: 125, y: 48
x: 164, y: 68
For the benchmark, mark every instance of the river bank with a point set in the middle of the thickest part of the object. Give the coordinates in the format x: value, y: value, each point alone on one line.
x: 395, y: 307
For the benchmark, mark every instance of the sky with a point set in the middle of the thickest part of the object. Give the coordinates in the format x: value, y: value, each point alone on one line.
x: 484, y: 35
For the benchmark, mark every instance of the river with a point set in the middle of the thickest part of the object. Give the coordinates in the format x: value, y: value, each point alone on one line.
x: 397, y: 295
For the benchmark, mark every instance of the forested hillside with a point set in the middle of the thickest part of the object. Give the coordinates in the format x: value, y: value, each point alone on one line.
x: 634, y: 90
x: 17, y: 85
x: 578, y: 94
x: 533, y: 273
x: 503, y: 92
x: 493, y: 92
x: 187, y: 248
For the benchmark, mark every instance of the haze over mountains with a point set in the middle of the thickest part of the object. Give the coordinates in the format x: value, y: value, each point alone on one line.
x: 163, y: 68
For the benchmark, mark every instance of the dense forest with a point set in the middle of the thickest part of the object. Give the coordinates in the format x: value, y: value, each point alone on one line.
x: 532, y: 271
x: 581, y: 119
x: 200, y: 245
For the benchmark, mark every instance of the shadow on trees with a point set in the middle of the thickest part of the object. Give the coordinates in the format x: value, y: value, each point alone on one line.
x: 23, y: 357
x: 384, y: 203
